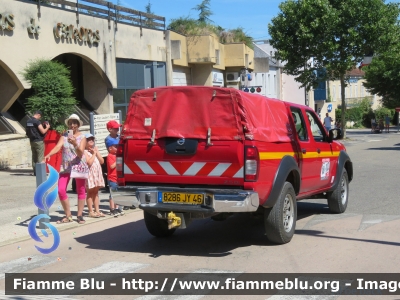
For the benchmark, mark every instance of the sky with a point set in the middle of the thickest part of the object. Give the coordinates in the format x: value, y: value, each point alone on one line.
x: 252, y: 15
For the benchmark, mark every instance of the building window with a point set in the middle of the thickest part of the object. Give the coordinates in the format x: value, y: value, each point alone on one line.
x: 269, y: 84
x: 133, y: 75
x: 216, y: 56
x: 334, y: 93
x: 5, y: 127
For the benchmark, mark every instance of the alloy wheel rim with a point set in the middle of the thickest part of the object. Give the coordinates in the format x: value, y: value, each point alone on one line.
x: 288, y: 213
x: 343, y: 191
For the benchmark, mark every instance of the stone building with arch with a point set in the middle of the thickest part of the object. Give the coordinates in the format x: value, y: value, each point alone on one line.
x: 95, y: 42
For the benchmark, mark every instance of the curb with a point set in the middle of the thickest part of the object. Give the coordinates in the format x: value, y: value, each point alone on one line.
x: 67, y: 226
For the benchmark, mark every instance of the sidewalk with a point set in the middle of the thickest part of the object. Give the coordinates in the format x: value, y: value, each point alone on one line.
x: 17, y: 188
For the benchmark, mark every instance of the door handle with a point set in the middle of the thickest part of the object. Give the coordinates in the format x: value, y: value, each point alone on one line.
x: 304, y: 151
x: 319, y: 151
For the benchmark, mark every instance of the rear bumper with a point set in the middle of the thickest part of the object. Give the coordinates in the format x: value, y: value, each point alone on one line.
x: 216, y: 200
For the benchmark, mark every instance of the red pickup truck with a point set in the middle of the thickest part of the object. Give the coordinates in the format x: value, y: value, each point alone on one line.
x: 195, y: 152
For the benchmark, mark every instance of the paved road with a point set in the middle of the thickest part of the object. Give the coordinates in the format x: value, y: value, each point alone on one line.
x: 364, y: 239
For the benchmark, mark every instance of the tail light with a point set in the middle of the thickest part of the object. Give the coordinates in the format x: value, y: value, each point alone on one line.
x: 251, y: 163
x: 120, y: 161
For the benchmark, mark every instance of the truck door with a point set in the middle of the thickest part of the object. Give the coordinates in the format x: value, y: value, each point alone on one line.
x: 324, y: 160
x: 305, y: 151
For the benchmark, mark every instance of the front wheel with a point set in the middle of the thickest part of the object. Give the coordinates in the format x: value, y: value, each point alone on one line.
x: 337, y: 200
x: 280, y: 220
x: 157, y: 227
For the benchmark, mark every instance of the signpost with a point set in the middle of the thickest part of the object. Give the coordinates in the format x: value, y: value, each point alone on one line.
x: 99, y: 129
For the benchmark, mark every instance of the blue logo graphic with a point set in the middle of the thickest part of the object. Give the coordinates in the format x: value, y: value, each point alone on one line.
x: 44, y: 197
x: 329, y: 107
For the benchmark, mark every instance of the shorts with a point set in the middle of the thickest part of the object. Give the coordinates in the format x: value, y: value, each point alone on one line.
x: 113, y: 187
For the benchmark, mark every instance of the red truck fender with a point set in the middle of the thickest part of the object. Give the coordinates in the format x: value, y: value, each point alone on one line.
x: 343, y: 162
x: 288, y: 170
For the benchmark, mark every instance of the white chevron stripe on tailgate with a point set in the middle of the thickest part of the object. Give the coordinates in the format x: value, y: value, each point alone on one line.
x: 194, y: 168
x: 168, y: 168
x: 127, y: 170
x: 219, y: 169
x: 239, y: 174
x: 144, y: 166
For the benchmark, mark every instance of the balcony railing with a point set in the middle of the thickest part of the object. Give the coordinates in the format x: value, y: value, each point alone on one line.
x: 107, y: 10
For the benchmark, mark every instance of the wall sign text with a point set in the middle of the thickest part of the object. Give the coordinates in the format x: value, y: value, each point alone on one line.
x: 81, y: 34
x: 7, y: 21
x: 33, y: 28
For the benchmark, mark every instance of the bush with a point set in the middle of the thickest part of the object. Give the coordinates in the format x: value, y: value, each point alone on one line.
x: 361, y: 114
x: 52, y: 91
x: 381, y: 112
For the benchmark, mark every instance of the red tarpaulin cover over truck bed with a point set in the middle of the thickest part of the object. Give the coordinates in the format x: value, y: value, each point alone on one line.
x: 188, y: 111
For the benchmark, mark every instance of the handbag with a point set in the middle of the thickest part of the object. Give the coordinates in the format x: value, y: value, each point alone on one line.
x: 79, y: 168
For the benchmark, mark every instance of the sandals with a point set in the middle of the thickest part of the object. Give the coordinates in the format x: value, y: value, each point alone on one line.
x: 100, y: 215
x: 65, y: 220
x: 92, y: 214
x: 80, y: 220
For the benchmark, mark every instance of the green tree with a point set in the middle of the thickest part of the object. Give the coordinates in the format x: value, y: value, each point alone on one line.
x: 149, y: 21
x: 52, y: 91
x: 333, y: 35
x: 203, y: 25
x: 383, y: 76
x: 204, y: 11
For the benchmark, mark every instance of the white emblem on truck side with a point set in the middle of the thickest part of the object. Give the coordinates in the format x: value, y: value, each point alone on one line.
x: 326, y: 163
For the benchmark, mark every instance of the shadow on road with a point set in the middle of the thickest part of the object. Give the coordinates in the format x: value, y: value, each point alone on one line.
x: 318, y: 233
x: 384, y: 148
x: 206, y: 237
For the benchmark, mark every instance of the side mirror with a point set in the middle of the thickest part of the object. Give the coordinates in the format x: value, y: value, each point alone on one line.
x: 335, y: 134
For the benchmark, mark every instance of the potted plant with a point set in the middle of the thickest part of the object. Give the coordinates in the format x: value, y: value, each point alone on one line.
x: 52, y: 95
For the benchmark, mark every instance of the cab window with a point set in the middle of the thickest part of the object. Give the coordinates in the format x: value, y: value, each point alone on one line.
x: 317, y: 130
x: 299, y: 123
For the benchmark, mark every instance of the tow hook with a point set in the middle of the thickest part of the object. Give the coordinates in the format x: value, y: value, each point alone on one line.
x: 173, y: 220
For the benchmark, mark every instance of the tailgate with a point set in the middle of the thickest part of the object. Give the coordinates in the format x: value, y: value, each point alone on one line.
x: 184, y: 162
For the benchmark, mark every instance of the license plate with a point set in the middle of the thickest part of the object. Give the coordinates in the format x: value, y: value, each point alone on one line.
x: 182, y: 198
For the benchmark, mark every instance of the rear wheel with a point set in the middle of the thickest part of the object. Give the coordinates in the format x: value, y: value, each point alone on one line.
x: 280, y: 220
x: 337, y: 200
x: 157, y: 227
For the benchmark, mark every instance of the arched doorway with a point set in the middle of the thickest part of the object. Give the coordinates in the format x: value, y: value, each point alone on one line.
x: 92, y: 89
x: 10, y: 89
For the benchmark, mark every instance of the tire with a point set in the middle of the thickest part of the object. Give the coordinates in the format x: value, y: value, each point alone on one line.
x: 338, y: 199
x: 157, y: 227
x: 280, y: 220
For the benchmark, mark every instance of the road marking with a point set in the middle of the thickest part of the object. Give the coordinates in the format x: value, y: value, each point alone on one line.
x: 371, y: 220
x: 195, y: 275
x: 25, y: 297
x: 23, y: 264
x: 317, y: 219
x: 116, y: 267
